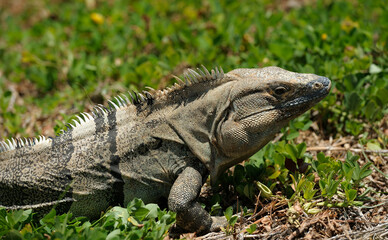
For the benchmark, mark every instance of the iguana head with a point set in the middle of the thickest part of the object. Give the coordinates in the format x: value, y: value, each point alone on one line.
x: 261, y: 102
x: 240, y: 113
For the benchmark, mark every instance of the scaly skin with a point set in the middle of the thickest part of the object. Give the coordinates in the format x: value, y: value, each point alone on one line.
x: 161, y: 145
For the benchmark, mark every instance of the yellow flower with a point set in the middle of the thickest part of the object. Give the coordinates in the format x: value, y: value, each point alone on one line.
x: 97, y: 18
x: 27, y: 57
x: 348, y: 24
x: 324, y: 36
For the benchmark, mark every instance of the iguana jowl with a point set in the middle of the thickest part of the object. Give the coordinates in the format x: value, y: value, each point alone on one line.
x: 162, y: 144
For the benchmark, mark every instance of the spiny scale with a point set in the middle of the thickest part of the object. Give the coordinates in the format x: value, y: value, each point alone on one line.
x: 13, y: 143
x: 190, y: 77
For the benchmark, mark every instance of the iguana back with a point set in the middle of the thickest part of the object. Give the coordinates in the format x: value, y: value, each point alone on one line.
x: 106, y: 159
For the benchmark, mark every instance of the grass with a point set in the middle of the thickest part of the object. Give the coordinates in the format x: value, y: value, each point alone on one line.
x: 58, y: 59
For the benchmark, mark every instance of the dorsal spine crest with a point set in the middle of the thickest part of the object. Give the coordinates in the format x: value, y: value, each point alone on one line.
x: 190, y: 77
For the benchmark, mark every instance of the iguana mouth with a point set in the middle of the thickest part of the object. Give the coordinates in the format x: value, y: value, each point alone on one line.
x: 300, y: 101
x: 324, y: 86
x: 318, y: 89
x: 308, y: 100
x: 303, y: 100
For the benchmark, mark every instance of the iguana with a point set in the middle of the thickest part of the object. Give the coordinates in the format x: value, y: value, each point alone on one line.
x: 161, y: 144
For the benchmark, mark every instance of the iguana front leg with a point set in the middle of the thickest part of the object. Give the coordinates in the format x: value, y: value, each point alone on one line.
x: 183, y: 200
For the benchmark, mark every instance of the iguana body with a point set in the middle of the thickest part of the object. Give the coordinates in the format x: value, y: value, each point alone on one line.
x: 163, y: 144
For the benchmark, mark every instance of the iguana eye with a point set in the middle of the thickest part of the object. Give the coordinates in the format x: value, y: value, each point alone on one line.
x: 280, y: 90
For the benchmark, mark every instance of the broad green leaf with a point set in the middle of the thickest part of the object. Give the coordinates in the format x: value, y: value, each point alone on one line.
x: 292, y: 151
x: 374, y: 69
x: 115, y: 234
x: 308, y: 190
x: 365, y: 172
x: 228, y: 213
x: 353, y: 127
x: 292, y: 135
x: 251, y: 228
x: 153, y: 210
x: 233, y: 220
x: 382, y: 94
x: 278, y: 159
x: 141, y: 213
x: 351, y: 194
x: 322, y: 158
x: 248, y: 191
x: 215, y: 209
x: 374, y: 146
x: 371, y: 110
x: 14, y: 235
x: 353, y: 101
x: 324, y: 169
x: 49, y: 217
x: 301, y: 149
x: 333, y: 187
x: 322, y: 186
x: 134, y: 205
x: 299, y: 184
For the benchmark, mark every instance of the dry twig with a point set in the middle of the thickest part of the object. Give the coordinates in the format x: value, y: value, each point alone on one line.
x: 383, y: 151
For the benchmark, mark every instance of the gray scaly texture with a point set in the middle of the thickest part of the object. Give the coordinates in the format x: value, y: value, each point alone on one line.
x: 161, y: 144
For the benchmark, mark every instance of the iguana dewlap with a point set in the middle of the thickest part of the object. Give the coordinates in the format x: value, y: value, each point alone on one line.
x: 161, y: 144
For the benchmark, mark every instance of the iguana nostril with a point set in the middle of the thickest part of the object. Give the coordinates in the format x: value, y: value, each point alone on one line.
x: 317, y: 85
